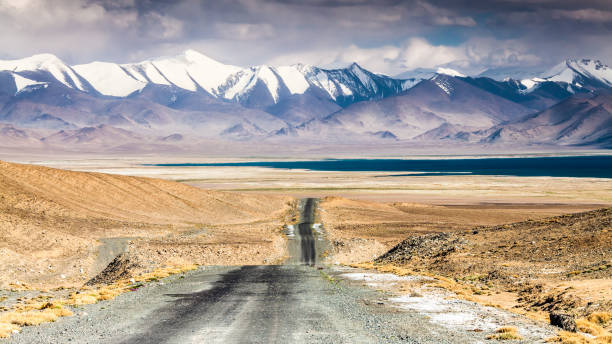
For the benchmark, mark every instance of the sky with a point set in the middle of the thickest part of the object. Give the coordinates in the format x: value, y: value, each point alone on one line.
x: 386, y: 36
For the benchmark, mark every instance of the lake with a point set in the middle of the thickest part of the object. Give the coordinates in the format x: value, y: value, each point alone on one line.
x: 599, y: 166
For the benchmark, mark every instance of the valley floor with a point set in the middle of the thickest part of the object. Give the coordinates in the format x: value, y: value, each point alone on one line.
x: 365, y: 214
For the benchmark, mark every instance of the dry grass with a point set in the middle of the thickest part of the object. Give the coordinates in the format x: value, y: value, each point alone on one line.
x: 6, y: 330
x: 600, y: 318
x: 164, y: 272
x: 35, y: 312
x: 565, y: 337
x: 591, y: 328
x: 92, y: 295
x: 31, y: 315
x: 386, y: 268
x: 463, y: 291
x: 591, y: 325
x: 505, y: 333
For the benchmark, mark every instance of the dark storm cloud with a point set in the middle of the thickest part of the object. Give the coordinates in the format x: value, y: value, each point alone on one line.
x: 388, y: 36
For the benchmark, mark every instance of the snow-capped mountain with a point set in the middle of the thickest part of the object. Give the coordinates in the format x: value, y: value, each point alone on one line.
x: 171, y: 100
x: 442, y: 100
x: 575, y: 74
x: 271, y: 88
x: 45, y: 68
x: 194, y: 71
x: 191, y: 71
x: 284, y: 91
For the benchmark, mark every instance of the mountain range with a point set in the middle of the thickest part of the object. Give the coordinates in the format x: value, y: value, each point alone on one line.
x: 169, y: 101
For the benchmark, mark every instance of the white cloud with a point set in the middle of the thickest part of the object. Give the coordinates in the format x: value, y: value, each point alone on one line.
x: 388, y: 59
x: 244, y: 31
x: 585, y: 15
x: 470, y: 57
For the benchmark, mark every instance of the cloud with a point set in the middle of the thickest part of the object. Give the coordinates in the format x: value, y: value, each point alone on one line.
x: 244, y: 31
x: 584, y: 15
x: 473, y: 56
x: 387, y: 59
x: 388, y: 36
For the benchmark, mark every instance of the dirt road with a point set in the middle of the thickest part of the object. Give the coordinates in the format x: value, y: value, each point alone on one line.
x: 299, y: 302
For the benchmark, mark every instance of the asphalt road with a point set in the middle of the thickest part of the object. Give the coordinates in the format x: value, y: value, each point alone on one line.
x: 305, y: 235
x: 300, y: 302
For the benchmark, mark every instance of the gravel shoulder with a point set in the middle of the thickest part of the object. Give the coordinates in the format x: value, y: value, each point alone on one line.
x: 257, y: 304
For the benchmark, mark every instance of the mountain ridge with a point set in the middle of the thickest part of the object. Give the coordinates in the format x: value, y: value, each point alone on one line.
x: 193, y: 96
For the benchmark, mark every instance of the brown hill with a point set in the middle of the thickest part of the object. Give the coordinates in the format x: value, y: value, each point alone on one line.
x: 556, y: 263
x: 51, y: 220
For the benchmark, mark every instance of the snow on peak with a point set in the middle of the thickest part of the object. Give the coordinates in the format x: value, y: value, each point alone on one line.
x: 244, y: 81
x: 46, y: 63
x: 355, y: 66
x: 22, y: 83
x: 194, y: 55
x: 192, y: 69
x: 444, y: 84
x: 32, y: 63
x: 449, y: 71
x: 109, y: 78
x: 294, y: 79
x: 530, y: 83
x: 570, y: 70
x: 267, y: 75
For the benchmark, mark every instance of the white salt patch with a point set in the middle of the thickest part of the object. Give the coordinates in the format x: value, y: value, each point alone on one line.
x: 453, y: 313
x: 374, y: 277
x: 422, y: 304
x: 454, y: 318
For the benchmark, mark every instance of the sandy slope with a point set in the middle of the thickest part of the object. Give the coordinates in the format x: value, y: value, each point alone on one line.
x: 51, y: 220
x: 361, y: 230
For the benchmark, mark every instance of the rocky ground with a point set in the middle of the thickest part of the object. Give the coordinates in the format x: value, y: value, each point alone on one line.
x: 360, y: 230
x: 546, y: 262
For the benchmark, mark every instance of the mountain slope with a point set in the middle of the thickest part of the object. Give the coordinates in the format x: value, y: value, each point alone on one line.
x: 46, y: 67
x: 579, y: 120
x: 292, y: 93
x: 574, y: 75
x: 280, y: 90
x: 155, y: 110
x: 444, y: 99
x: 190, y: 71
x: 539, y: 97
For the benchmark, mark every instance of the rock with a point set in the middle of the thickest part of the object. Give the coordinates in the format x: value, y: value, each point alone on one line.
x: 424, y: 247
x: 564, y: 321
x: 120, y: 268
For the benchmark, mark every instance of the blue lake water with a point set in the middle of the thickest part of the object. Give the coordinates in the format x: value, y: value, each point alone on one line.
x: 599, y: 166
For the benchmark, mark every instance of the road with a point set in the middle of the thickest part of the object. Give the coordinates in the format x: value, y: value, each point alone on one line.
x: 300, y: 302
